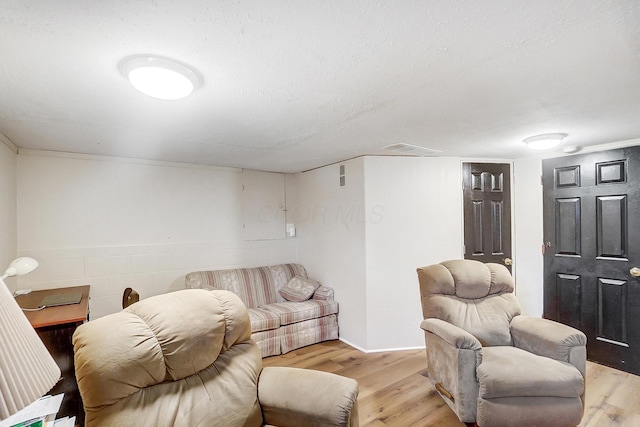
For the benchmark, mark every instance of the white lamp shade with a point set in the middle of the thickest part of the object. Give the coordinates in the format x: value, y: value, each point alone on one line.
x: 27, y: 370
x: 20, y: 266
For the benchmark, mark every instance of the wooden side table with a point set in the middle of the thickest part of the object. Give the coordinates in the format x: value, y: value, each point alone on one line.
x: 55, y: 326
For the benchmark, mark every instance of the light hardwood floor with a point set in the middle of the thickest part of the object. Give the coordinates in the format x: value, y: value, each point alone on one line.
x: 394, y: 390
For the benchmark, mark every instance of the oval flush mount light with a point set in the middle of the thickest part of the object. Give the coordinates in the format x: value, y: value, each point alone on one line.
x: 545, y: 141
x: 161, y: 78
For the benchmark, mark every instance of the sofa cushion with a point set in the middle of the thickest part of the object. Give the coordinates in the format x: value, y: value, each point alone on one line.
x: 292, y: 312
x: 512, y: 372
x: 263, y: 320
x: 299, y: 289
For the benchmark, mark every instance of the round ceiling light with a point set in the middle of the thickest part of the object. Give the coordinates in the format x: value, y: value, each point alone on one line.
x: 545, y: 141
x: 160, y: 78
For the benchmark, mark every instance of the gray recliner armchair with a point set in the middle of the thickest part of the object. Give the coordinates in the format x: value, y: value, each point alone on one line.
x: 492, y: 365
x: 186, y: 359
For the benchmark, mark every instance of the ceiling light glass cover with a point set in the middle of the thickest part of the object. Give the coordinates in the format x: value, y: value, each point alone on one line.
x: 545, y: 141
x: 161, y: 78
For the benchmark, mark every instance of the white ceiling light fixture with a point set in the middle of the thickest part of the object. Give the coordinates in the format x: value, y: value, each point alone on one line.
x: 545, y: 141
x: 160, y: 78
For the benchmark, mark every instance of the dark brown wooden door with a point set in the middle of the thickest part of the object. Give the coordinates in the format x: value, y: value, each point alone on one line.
x: 592, y: 243
x: 487, y: 212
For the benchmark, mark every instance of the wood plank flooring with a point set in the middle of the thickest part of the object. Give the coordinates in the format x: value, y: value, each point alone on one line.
x: 394, y: 389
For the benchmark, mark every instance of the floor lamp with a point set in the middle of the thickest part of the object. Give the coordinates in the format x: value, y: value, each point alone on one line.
x: 27, y: 370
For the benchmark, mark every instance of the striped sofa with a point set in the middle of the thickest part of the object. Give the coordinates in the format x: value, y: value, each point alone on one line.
x: 278, y: 326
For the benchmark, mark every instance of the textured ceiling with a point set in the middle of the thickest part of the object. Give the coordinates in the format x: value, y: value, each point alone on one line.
x: 293, y: 85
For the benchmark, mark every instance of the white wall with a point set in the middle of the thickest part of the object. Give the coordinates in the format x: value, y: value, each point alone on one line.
x: 367, y: 239
x: 8, y: 233
x: 331, y: 238
x: 404, y: 212
x: 415, y: 219
x: 264, y: 205
x: 113, y: 223
x: 528, y: 235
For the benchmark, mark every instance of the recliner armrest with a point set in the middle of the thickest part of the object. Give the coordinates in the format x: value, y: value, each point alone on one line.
x: 293, y: 397
x: 452, y: 334
x: 452, y: 357
x: 550, y: 339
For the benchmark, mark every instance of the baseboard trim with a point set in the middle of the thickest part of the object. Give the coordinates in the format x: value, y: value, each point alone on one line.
x: 379, y: 350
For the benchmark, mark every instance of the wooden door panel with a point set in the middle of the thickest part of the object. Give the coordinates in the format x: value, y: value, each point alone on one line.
x: 568, y: 239
x: 611, y: 226
x: 568, y: 176
x: 611, y: 172
x: 477, y: 245
x: 497, y: 225
x: 592, y: 239
x: 569, y: 291
x: 612, y: 316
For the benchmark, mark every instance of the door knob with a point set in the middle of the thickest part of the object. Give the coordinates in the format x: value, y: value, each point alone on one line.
x: 509, y: 261
x: 635, y: 272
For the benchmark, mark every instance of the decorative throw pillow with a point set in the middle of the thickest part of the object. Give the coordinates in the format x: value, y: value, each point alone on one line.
x: 299, y: 289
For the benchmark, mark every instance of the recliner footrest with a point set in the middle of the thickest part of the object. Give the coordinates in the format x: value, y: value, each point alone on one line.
x: 512, y: 372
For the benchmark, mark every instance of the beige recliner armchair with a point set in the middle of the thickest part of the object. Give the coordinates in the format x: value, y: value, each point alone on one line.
x: 187, y: 359
x: 490, y: 364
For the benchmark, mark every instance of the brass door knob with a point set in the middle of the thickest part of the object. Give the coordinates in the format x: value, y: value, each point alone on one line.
x: 509, y: 261
x: 635, y: 272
